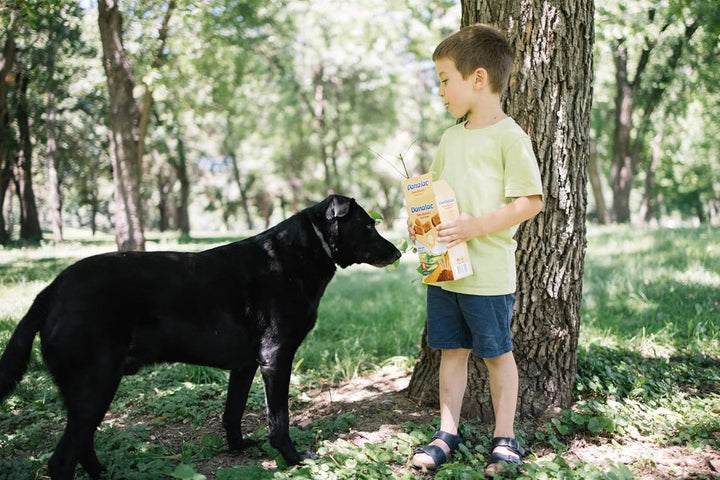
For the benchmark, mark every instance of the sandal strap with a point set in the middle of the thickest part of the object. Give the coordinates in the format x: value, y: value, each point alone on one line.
x: 497, y: 457
x: 452, y: 441
x: 436, y: 453
x: 509, y: 443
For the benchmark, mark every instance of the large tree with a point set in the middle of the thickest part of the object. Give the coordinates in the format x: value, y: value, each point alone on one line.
x: 124, y: 126
x: 550, y: 96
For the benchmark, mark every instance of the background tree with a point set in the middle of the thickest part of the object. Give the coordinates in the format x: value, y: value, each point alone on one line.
x: 124, y: 117
x: 652, y: 48
x: 550, y: 97
x: 7, y: 78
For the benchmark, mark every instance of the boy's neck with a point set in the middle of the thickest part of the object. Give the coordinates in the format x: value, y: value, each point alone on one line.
x: 485, y: 113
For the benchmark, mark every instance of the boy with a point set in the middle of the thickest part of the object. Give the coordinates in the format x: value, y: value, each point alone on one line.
x: 489, y: 162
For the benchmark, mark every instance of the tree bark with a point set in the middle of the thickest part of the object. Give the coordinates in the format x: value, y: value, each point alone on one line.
x: 127, y: 167
x: 6, y: 79
x: 29, y: 222
x: 623, y: 163
x: 550, y: 96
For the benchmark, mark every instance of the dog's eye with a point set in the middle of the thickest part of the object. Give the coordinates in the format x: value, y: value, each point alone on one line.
x: 371, y: 226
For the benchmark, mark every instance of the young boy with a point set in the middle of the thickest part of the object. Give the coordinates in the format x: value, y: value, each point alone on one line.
x: 488, y: 160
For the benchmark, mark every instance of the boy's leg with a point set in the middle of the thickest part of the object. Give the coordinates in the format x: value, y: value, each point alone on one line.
x: 453, y: 380
x: 503, y: 376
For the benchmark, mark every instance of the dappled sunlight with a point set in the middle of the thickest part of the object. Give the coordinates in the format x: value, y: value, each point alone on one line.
x: 700, y: 275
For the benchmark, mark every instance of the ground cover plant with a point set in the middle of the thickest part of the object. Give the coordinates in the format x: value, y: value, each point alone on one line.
x: 647, y: 396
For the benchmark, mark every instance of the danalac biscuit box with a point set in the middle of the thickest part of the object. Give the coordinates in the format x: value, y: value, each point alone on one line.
x: 429, y: 204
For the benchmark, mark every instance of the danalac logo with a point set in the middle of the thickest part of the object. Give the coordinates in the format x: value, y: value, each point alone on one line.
x: 420, y: 184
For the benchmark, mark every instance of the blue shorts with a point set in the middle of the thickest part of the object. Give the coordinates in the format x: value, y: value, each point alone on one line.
x: 476, y: 322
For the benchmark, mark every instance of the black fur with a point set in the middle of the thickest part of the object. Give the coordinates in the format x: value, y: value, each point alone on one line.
x: 240, y: 306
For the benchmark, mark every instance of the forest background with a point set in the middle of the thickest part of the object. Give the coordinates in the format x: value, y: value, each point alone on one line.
x: 247, y: 111
x: 228, y: 116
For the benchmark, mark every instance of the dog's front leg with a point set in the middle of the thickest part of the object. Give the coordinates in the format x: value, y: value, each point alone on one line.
x: 276, y: 378
x: 237, y: 394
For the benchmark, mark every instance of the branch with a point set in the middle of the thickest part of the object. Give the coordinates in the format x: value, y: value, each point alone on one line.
x: 148, y: 97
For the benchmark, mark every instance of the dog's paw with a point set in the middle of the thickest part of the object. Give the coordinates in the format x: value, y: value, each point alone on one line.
x: 241, y: 444
x: 309, y: 456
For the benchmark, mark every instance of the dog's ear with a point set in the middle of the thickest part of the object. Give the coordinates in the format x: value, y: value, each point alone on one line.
x: 338, y: 207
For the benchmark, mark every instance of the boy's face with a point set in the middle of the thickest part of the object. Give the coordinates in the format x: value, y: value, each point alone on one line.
x: 457, y: 93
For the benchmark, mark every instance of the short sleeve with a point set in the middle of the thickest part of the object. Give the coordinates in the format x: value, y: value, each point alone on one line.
x: 522, y: 174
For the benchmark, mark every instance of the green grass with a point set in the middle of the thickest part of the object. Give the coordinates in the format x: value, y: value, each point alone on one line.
x: 653, y: 291
x: 648, y: 367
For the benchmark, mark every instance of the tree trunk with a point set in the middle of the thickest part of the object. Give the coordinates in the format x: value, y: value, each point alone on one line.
x: 550, y: 97
x: 29, y: 222
x: 180, y: 165
x: 603, y: 215
x: 51, y: 146
x: 6, y: 79
x: 244, y: 189
x: 623, y: 164
x: 127, y: 167
x: 648, y: 209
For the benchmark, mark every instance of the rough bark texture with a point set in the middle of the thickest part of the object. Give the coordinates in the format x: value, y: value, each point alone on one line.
x: 550, y: 96
x: 127, y: 167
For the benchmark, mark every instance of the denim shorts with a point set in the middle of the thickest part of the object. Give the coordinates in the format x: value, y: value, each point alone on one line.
x: 477, y: 322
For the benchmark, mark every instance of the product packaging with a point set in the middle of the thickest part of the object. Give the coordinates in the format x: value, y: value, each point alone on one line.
x: 429, y: 204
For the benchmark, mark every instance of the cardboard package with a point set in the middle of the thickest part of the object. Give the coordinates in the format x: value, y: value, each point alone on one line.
x: 429, y: 204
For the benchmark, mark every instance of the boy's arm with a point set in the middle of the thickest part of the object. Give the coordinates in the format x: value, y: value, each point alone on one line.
x: 467, y: 227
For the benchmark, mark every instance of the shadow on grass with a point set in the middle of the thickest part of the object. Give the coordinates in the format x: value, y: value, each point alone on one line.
x: 624, y: 374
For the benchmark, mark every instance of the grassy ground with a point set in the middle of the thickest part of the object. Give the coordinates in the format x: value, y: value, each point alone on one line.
x: 648, y: 379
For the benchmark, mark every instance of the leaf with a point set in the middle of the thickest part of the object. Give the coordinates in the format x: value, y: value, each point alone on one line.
x: 594, y: 425
x: 375, y: 216
x: 187, y: 472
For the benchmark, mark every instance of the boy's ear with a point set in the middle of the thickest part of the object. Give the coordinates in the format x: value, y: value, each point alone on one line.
x: 480, y: 77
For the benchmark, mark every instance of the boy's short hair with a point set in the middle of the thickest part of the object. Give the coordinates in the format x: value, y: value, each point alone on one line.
x: 479, y: 46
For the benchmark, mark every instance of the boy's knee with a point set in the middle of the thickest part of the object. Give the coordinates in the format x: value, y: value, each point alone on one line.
x: 456, y: 354
x: 501, y: 360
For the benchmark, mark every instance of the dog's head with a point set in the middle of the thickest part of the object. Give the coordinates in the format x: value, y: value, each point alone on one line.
x: 350, y: 233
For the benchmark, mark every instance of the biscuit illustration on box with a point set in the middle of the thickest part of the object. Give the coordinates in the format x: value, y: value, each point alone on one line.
x: 429, y: 204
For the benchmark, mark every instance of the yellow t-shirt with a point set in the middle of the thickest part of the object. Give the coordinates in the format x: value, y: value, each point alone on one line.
x: 488, y: 168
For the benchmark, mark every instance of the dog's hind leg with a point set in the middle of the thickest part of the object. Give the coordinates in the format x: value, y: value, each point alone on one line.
x: 87, y: 392
x: 238, y: 389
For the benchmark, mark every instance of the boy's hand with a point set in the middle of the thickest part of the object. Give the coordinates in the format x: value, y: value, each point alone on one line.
x: 453, y: 233
x: 411, y: 230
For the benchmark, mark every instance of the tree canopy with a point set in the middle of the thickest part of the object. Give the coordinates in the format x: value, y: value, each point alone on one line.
x: 247, y: 111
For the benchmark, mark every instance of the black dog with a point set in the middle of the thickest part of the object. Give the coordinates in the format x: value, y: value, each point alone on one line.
x: 243, y: 305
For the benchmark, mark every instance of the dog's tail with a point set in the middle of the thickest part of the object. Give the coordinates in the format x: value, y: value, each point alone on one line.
x: 15, y: 359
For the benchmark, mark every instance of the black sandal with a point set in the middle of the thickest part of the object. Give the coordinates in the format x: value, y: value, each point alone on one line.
x: 437, y: 453
x: 509, y: 443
